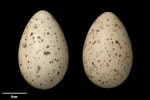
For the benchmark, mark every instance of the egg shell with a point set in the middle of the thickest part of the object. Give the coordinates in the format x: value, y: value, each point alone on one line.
x: 107, y: 52
x: 43, y: 52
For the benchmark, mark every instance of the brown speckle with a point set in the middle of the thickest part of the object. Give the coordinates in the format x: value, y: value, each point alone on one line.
x: 116, y: 42
x: 28, y: 61
x: 125, y: 43
x: 47, y: 33
x: 46, y: 52
x: 24, y: 45
x: 113, y: 49
x: 38, y: 68
x: 109, y: 60
x: 47, y: 46
x: 35, y: 26
x: 58, y: 48
x: 38, y: 37
x: 106, y: 82
x: 26, y: 55
x: 97, y: 30
x: 119, y: 27
x: 59, y: 66
x: 40, y: 84
x: 31, y: 34
x: 107, y: 64
x: 55, y: 53
x: 38, y: 76
x: 116, y: 24
x: 116, y: 54
x: 89, y: 42
x: 94, y: 42
x: 120, y: 55
x: 58, y: 73
x: 51, y: 62
x: 20, y: 65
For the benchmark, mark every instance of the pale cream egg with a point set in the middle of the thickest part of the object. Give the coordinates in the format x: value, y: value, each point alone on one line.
x: 43, y: 52
x: 107, y: 52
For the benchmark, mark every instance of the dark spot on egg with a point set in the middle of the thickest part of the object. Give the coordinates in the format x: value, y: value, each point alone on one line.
x: 47, y: 33
x: 58, y: 73
x: 113, y: 49
x: 116, y: 42
x: 38, y: 37
x: 46, y: 52
x: 89, y: 42
x: 31, y: 34
x: 42, y: 40
x: 35, y: 26
x: 109, y: 60
x: 107, y: 19
x: 102, y: 82
x: 125, y: 43
x: 51, y: 62
x: 97, y: 30
x: 40, y: 84
x: 94, y: 42
x: 20, y: 65
x: 59, y: 66
x: 106, y: 82
x: 116, y: 25
x: 119, y: 55
x: 26, y: 55
x: 24, y: 45
x: 116, y: 54
x: 47, y: 46
x: 107, y: 64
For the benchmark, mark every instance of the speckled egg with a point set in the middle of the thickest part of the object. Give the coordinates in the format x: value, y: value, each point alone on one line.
x: 43, y: 52
x: 107, y: 52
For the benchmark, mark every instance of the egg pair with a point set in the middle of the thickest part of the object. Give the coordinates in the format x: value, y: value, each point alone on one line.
x: 43, y: 52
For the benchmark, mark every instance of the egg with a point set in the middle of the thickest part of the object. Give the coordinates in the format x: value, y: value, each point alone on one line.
x: 107, y: 52
x: 43, y: 52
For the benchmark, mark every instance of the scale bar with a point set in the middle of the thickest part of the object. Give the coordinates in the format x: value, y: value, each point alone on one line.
x: 14, y: 92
